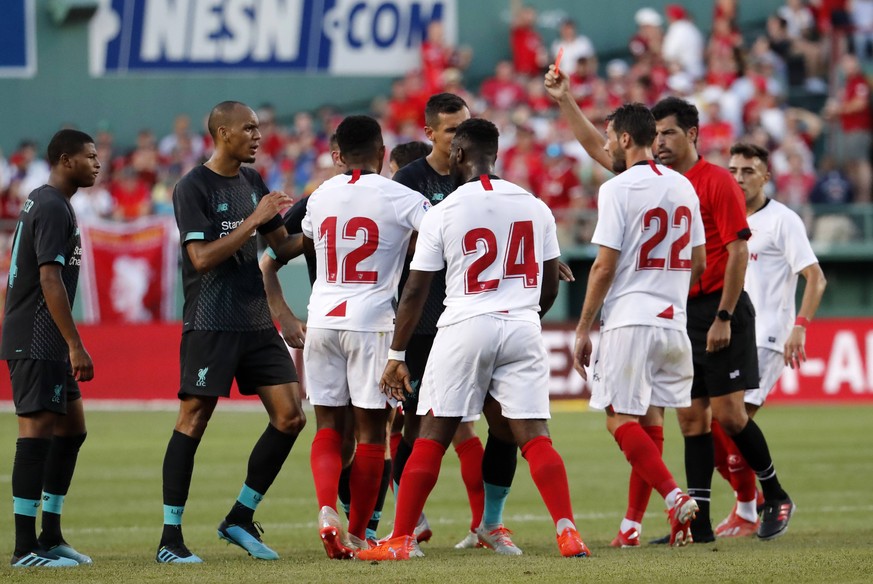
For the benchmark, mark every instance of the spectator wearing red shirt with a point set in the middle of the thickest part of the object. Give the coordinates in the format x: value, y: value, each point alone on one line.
x: 529, y: 54
x: 558, y: 185
x: 131, y: 195
x: 852, y: 109
x: 403, y: 106
x: 523, y: 161
x: 502, y: 91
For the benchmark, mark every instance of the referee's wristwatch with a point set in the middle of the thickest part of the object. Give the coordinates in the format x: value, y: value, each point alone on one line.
x: 724, y: 315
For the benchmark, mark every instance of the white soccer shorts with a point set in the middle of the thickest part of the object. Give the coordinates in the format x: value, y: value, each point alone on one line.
x: 636, y: 367
x: 343, y: 365
x: 485, y: 354
x: 771, y: 364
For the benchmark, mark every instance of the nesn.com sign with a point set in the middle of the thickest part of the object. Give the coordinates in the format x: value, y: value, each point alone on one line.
x: 343, y: 37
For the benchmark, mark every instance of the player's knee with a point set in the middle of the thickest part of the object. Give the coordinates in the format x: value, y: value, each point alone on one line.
x: 290, y: 422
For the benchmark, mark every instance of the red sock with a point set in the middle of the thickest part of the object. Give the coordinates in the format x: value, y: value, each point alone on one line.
x: 743, y: 478
x: 639, y: 491
x: 326, y: 461
x: 550, y: 476
x: 418, y: 479
x: 394, y: 442
x: 470, y: 453
x: 367, y: 468
x: 721, y: 442
x: 641, y: 452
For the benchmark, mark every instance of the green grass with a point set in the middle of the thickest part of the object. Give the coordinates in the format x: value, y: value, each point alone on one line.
x: 113, y: 512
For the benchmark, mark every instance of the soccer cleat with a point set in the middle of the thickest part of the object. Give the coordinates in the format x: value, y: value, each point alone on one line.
x: 774, y: 520
x: 736, y: 526
x: 331, y: 532
x: 627, y: 539
x: 498, y: 540
x: 42, y: 559
x: 248, y: 537
x: 680, y: 516
x: 422, y: 530
x: 471, y: 540
x: 355, y: 543
x: 176, y: 553
x: 571, y: 545
x: 65, y: 550
x: 402, y: 547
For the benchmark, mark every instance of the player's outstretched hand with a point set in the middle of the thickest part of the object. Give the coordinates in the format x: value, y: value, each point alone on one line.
x: 81, y: 364
x: 271, y: 205
x: 582, y: 353
x: 795, y: 352
x: 557, y: 85
x: 395, y: 380
x: 293, y: 330
x: 565, y: 274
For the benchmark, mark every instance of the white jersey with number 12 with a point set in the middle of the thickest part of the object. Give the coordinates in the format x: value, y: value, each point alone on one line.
x: 360, y: 225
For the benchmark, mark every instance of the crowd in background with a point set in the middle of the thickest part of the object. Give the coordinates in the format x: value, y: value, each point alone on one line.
x: 796, y: 85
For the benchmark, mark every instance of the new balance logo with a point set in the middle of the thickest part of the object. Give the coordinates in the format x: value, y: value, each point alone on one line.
x: 201, y: 377
x: 734, y: 374
x: 221, y: 208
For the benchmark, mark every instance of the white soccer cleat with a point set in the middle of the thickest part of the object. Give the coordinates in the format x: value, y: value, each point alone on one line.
x: 499, y: 540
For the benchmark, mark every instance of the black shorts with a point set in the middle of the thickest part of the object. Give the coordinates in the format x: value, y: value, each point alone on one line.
x: 39, y: 385
x: 212, y: 359
x: 732, y: 369
x: 417, y: 352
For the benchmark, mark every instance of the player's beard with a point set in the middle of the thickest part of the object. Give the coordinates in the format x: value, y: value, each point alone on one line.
x: 619, y: 165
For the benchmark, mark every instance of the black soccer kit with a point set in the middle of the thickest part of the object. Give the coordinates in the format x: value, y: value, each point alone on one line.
x: 227, y: 330
x: 420, y: 176
x: 37, y: 353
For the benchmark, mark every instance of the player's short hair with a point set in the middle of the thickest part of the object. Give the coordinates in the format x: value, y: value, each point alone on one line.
x: 685, y: 112
x: 69, y: 142
x: 635, y: 119
x: 480, y: 136
x: 403, y: 154
x: 332, y: 143
x: 359, y: 136
x: 442, y: 103
x: 221, y: 115
x: 749, y: 150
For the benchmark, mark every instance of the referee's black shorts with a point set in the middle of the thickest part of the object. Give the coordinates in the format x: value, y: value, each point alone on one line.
x: 732, y: 369
x: 211, y: 360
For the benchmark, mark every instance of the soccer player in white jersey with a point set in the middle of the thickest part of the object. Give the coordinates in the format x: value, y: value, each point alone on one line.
x: 651, y: 240
x: 779, y: 250
x: 499, y: 246
x: 358, y: 224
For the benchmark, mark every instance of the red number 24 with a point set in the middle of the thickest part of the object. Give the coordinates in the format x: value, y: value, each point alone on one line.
x: 520, y: 260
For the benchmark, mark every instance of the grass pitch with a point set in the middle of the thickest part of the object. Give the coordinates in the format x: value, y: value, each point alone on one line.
x: 113, y: 512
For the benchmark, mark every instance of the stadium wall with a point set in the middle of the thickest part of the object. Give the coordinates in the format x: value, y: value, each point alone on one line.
x: 141, y: 363
x: 56, y: 83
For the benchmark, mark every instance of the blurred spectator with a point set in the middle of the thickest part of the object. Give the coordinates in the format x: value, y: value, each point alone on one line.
x: 716, y: 135
x: 649, y: 35
x: 502, y: 91
x: 453, y: 82
x: 182, y: 141
x: 403, y: 107
x: 861, y: 15
x: 832, y: 186
x: 273, y: 136
x: 683, y: 43
x: 801, y: 29
x: 852, y: 108
x: 576, y: 46
x: 131, y: 196
x: 529, y: 56
x: 725, y: 10
x: 29, y: 170
x: 437, y: 56
x: 93, y: 202
x: 794, y: 186
x: 522, y: 163
x: 145, y: 158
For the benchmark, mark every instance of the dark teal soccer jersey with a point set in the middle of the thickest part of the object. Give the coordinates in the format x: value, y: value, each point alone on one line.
x: 231, y: 296
x: 46, y: 233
